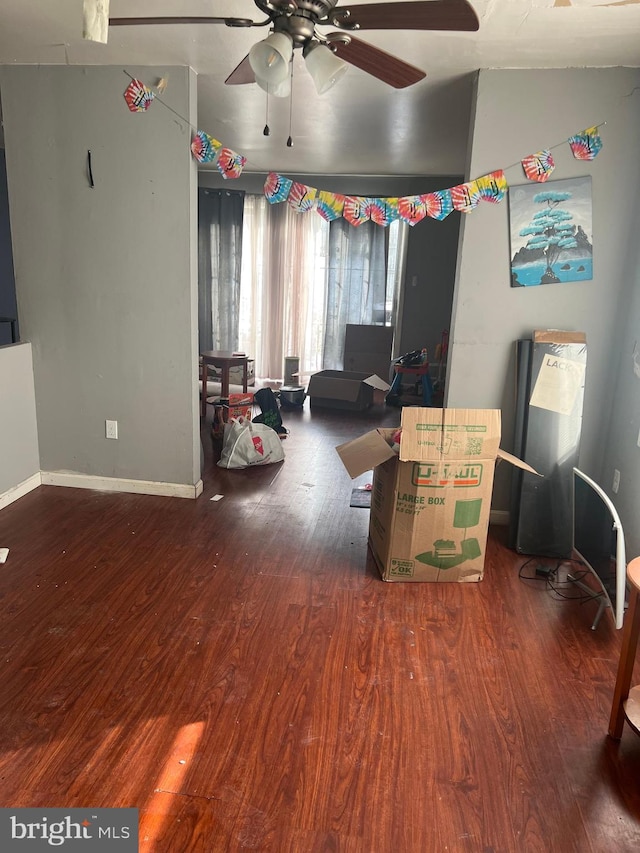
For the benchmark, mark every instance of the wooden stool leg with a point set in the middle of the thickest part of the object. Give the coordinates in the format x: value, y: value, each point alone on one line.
x: 224, y: 390
x: 631, y: 631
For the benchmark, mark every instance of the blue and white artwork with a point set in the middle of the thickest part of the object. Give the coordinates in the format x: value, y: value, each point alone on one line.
x: 551, y: 232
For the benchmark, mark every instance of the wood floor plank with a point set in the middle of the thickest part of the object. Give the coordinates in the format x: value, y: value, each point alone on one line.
x: 238, y: 671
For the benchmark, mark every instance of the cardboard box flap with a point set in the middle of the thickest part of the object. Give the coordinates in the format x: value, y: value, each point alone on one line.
x: 378, y: 383
x: 508, y: 457
x: 365, y: 453
x: 466, y: 434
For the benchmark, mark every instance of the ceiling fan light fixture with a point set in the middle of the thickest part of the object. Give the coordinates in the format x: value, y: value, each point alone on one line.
x: 270, y: 58
x: 324, y: 66
x: 278, y: 90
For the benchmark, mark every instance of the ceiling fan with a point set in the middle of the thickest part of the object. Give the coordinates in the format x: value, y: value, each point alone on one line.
x: 327, y: 56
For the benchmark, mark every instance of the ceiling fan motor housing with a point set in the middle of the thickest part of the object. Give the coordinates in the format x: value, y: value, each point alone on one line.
x: 298, y: 19
x: 299, y: 28
x: 316, y: 9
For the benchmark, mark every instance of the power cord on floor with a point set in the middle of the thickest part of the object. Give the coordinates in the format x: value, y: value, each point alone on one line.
x: 548, y: 575
x: 540, y: 571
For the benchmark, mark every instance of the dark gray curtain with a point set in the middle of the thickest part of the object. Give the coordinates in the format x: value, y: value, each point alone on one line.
x: 357, y: 282
x: 219, y: 264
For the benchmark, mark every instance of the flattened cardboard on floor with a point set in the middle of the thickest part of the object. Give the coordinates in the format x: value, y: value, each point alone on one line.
x: 344, y: 389
x: 430, y: 505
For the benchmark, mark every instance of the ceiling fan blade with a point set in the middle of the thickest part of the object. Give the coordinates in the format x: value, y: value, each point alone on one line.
x: 374, y: 61
x: 242, y: 73
x: 228, y: 22
x: 456, y: 15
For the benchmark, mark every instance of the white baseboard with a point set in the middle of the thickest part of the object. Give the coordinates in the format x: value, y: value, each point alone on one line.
x: 20, y: 490
x: 499, y: 516
x: 113, y: 484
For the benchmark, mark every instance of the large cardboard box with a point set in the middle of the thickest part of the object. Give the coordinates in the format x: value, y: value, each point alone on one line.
x: 430, y: 504
x: 367, y: 349
x: 343, y: 389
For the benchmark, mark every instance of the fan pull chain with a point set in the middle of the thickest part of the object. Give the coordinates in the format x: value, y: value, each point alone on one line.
x: 266, y: 131
x: 290, y: 138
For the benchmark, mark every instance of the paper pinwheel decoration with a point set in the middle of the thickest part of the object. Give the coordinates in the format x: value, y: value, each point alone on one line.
x: 439, y: 204
x: 465, y: 197
x: 204, y: 147
x: 538, y: 167
x: 276, y: 188
x: 138, y: 97
x: 586, y: 145
x: 357, y: 209
x: 493, y: 187
x: 330, y: 205
x: 412, y: 208
x: 230, y: 164
x: 301, y: 197
x: 384, y: 211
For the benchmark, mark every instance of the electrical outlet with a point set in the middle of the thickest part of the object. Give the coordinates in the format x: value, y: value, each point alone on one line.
x: 616, y: 481
x: 111, y: 429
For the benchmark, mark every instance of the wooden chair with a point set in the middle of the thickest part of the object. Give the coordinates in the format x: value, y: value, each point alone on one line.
x: 626, y: 699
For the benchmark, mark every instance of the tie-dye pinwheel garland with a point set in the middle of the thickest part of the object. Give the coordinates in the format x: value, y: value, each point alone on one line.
x: 436, y: 205
x: 205, y: 149
x: 383, y: 211
x: 358, y: 209
x: 584, y: 145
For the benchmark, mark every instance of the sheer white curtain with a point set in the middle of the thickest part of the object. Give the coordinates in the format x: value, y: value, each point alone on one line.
x: 283, y: 286
x: 356, y: 283
x: 302, y: 282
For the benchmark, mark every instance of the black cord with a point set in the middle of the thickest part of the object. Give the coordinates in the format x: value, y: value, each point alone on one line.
x: 535, y: 576
x: 556, y: 589
x: 521, y: 574
x: 90, y: 170
x: 555, y: 586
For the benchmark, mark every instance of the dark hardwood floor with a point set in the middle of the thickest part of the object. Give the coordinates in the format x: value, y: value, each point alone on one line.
x: 237, y: 670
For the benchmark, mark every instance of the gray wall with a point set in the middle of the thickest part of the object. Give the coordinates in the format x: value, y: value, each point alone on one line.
x: 431, y: 249
x: 19, y: 457
x: 621, y: 445
x: 518, y: 113
x: 106, y: 276
x: 8, y: 306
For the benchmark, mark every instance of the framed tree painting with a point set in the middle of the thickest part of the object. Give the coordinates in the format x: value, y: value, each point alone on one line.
x: 551, y: 232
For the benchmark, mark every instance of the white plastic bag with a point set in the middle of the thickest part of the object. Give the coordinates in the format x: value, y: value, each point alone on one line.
x: 246, y: 443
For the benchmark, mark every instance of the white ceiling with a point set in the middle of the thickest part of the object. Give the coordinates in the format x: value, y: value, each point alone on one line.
x: 362, y: 126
